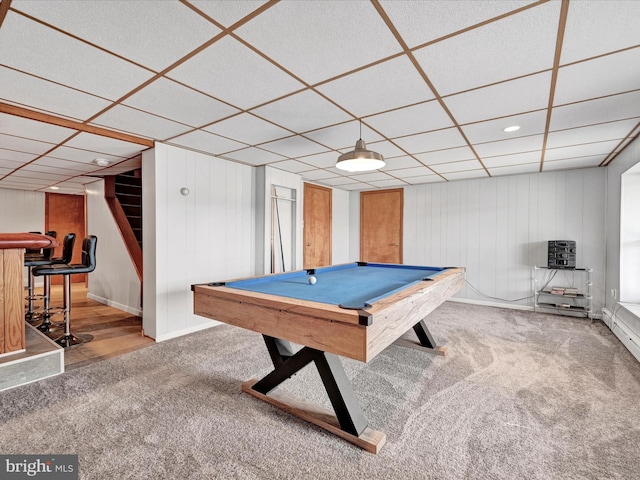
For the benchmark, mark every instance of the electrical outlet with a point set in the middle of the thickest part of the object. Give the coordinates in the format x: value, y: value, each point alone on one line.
x: 613, y: 293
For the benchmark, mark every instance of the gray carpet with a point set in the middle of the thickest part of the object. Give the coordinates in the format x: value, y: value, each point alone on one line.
x: 520, y: 396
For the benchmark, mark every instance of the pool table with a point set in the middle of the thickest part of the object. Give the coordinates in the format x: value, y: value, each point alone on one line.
x: 354, y: 310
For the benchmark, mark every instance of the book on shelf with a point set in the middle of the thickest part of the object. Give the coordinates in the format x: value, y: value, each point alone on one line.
x: 571, y: 292
x: 557, y: 290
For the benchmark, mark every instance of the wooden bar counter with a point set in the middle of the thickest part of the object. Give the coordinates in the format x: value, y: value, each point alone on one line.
x: 12, y: 248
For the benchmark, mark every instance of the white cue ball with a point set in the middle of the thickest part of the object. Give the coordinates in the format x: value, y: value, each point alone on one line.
x: 312, y: 280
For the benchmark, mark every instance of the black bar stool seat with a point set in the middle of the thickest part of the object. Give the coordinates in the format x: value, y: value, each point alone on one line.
x: 66, y: 270
x: 34, y: 258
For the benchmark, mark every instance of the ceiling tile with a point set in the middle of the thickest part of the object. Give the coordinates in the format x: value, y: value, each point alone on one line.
x: 446, y: 156
x: 423, y: 117
x: 127, y: 28
x: 461, y: 166
x: 10, y: 142
x: 608, y: 109
x: 530, y: 124
x: 26, y: 128
x: 412, y: 172
x: 343, y: 136
x: 248, y: 129
x: 232, y: 73
x: 34, y: 174
x: 225, y: 12
x: 597, y: 148
x: 36, y: 49
x: 290, y: 166
x: 42, y: 95
x: 79, y: 155
x: 352, y: 34
x: 253, y: 156
x: 511, y: 146
x: 338, y: 181
x: 391, y: 84
x: 597, y: 78
x: 384, y: 148
x: 302, y: 112
x: 369, y: 177
x: 392, y: 183
x: 515, y: 169
x: 206, y: 142
x: 15, y: 156
x: 599, y: 26
x: 419, y: 22
x: 318, y: 175
x: 293, y: 147
x: 136, y: 122
x: 400, y: 162
x: 320, y: 160
x: 518, y: 45
x: 426, y: 142
x: 513, y: 159
x: 424, y: 179
x: 579, y: 162
x: 594, y: 133
x: 54, y: 165
x: 106, y: 145
x: 354, y: 186
x: 504, y: 99
x: 466, y: 175
x: 169, y: 99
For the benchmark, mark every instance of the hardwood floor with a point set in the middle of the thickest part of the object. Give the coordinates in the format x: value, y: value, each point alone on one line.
x: 113, y: 331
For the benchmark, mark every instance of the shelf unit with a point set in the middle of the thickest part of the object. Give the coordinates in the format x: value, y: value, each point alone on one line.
x: 544, y: 278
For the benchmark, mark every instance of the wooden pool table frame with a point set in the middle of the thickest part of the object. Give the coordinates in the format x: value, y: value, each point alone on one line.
x: 326, y: 332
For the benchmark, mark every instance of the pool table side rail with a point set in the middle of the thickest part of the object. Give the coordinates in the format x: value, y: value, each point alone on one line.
x: 395, y: 315
x: 286, y: 320
x: 328, y: 327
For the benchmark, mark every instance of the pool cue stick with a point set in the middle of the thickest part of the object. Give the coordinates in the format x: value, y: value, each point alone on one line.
x: 280, y: 234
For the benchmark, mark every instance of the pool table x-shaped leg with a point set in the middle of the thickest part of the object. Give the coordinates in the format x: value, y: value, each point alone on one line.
x: 286, y: 363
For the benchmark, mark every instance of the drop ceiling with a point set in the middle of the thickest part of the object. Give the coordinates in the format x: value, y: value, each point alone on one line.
x: 431, y: 85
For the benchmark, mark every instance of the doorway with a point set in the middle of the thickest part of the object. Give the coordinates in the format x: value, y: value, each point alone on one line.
x: 317, y: 226
x: 381, y: 225
x: 66, y: 214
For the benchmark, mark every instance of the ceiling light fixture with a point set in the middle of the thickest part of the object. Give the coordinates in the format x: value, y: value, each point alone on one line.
x: 360, y: 159
x: 101, y: 162
x: 512, y: 128
x: 54, y: 188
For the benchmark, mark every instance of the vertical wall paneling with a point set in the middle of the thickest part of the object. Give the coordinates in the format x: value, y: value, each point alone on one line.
x: 340, y: 227
x: 204, y: 236
x: 21, y: 211
x: 497, y: 228
x: 114, y: 282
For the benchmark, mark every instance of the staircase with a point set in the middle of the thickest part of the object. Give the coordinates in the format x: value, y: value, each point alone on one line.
x: 123, y: 194
x: 128, y: 190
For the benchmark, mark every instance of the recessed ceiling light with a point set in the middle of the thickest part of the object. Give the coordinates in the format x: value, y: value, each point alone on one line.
x: 512, y: 128
x: 54, y: 188
x: 101, y: 162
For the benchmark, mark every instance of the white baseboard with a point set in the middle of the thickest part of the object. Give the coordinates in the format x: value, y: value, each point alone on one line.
x: 186, y: 331
x: 125, y: 308
x: 628, y: 338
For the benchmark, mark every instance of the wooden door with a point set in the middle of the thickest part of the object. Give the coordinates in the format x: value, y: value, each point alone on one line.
x: 66, y: 214
x: 381, y: 225
x: 317, y: 226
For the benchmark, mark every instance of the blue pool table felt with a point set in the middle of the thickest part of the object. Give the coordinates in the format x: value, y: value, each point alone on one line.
x: 349, y: 285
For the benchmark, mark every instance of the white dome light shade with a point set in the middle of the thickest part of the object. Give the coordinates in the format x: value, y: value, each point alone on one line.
x: 360, y: 159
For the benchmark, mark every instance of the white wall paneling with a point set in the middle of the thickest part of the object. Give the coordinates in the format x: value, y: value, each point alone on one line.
x: 114, y: 282
x: 205, y: 236
x: 266, y: 177
x: 498, y: 228
x: 21, y: 211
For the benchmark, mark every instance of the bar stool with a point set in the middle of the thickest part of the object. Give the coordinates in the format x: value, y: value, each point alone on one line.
x: 67, y: 253
x: 33, y: 258
x: 88, y: 265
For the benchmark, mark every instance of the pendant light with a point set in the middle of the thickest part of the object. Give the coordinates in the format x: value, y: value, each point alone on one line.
x: 360, y: 159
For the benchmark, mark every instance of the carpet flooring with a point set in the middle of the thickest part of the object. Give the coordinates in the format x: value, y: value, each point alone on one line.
x: 519, y: 396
